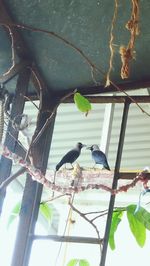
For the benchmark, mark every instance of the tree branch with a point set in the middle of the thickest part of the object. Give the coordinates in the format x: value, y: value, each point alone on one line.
x: 6, y: 182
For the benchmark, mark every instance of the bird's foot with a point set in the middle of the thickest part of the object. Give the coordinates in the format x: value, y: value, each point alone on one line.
x: 71, y: 168
x: 94, y: 168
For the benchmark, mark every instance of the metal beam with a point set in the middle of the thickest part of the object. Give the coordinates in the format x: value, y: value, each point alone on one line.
x: 32, y: 193
x: 131, y: 175
x: 12, y: 134
x: 115, y: 181
x: 107, y: 127
x: 126, y: 86
x: 113, y: 99
x: 68, y: 239
x: 102, y: 99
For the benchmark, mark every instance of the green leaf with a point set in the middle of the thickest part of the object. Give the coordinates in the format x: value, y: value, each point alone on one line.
x: 73, y: 262
x: 82, y: 103
x: 83, y: 263
x: 46, y: 211
x: 142, y: 215
x: 137, y: 228
x: 116, y: 219
x: 14, y: 214
x: 78, y: 262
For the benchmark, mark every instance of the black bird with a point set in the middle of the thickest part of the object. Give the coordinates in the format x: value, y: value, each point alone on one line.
x: 71, y: 155
x: 98, y: 156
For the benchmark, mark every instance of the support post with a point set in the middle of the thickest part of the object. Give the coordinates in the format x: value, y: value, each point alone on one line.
x: 32, y: 193
x: 12, y: 133
x: 107, y: 127
x: 115, y: 181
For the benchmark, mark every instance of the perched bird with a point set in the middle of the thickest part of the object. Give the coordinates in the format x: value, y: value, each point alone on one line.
x: 98, y: 156
x: 71, y: 155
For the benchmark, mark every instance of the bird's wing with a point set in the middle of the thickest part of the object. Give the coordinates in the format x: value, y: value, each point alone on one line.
x: 70, y: 156
x: 98, y: 156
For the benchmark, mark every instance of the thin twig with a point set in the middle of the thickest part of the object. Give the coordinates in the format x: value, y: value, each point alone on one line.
x: 12, y: 49
x: 18, y: 141
x: 94, y: 212
x: 130, y: 97
x: 89, y: 221
x: 106, y: 212
x: 27, y: 98
x: 6, y: 182
x: 57, y: 197
x: 37, y: 79
x: 50, y: 117
x: 30, y: 28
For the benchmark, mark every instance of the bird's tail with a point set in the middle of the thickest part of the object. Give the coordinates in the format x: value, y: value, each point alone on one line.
x: 106, y: 166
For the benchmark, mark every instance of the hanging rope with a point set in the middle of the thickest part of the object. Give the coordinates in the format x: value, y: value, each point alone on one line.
x: 1, y: 119
x: 111, y: 45
x: 128, y: 53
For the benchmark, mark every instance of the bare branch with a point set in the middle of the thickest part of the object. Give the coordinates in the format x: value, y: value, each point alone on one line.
x: 90, y: 222
x: 27, y: 98
x: 6, y: 182
x: 12, y: 50
x: 57, y: 197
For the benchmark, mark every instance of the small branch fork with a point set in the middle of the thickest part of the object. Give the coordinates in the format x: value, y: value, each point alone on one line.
x: 90, y: 221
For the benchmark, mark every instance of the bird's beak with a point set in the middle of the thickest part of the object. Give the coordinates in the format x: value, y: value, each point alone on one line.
x: 84, y: 145
x: 88, y: 147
